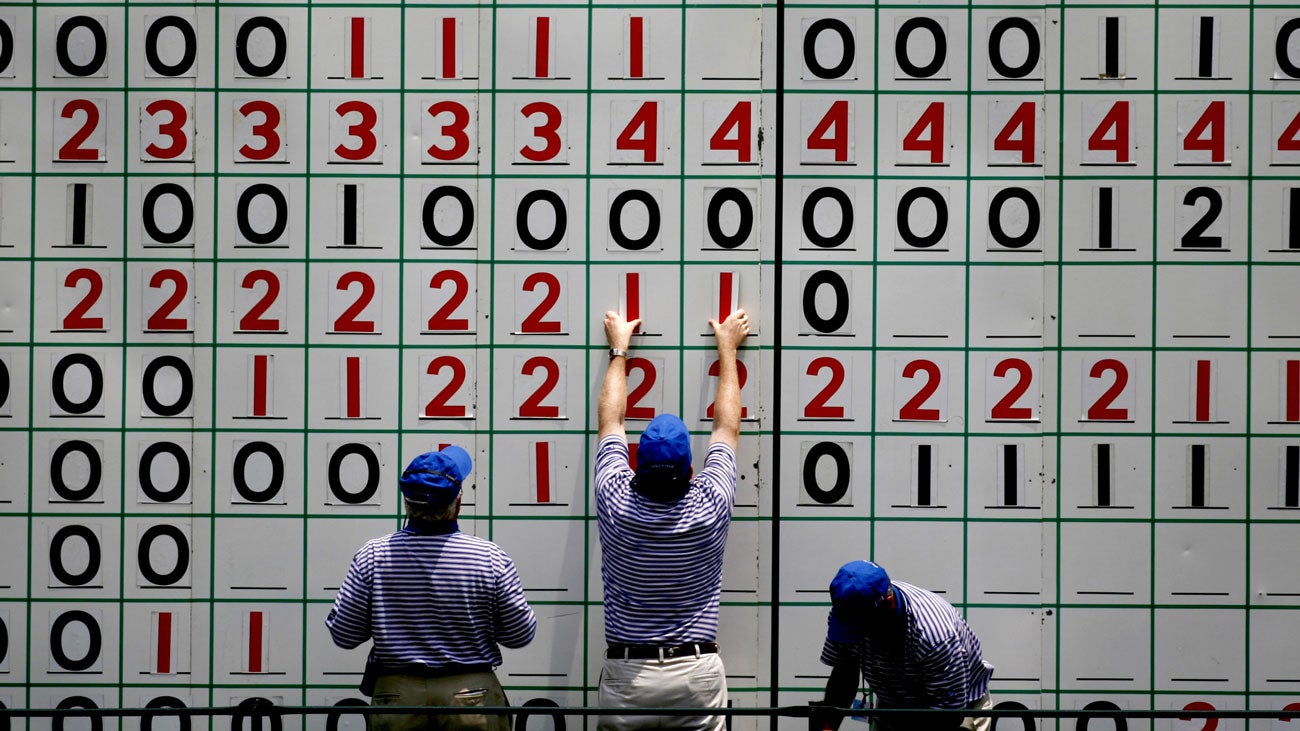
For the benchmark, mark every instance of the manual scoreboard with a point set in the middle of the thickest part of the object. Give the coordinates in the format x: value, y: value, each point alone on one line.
x: 1023, y: 279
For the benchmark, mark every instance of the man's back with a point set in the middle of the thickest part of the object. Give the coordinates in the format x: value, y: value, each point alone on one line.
x: 662, y: 562
x: 438, y: 600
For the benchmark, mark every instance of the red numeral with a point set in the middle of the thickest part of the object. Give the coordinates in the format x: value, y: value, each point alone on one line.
x: 832, y: 132
x: 1289, y: 140
x: 927, y: 134
x: 266, y: 130
x: 438, y: 406
x: 348, y: 322
x: 76, y: 319
x: 442, y: 319
x: 163, y: 653
x: 256, y: 629
x: 542, y: 455
x: 912, y: 410
x: 173, y: 129
x: 642, y: 132
x: 1019, y: 133
x: 253, y: 320
x: 532, y: 407
x: 352, y: 387
x: 636, y: 47
x: 72, y: 150
x: 1116, y: 119
x: 1006, y: 408
x: 634, y: 396
x: 1209, y: 132
x: 1102, y: 409
x: 357, y: 48
x: 816, y: 408
x: 742, y: 374
x: 735, y: 132
x: 1291, y: 391
x: 448, y: 48
x: 261, y: 385
x: 1204, y: 396
x: 547, y: 131
x: 542, y: 61
x: 161, y: 319
x: 1210, y: 723
x: 363, y: 131
x: 535, y: 323
x: 455, y: 130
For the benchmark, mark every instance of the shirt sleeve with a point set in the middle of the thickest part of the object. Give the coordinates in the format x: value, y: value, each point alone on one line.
x: 836, y: 654
x: 612, y: 460
x: 719, y: 472
x: 349, y: 620
x: 514, y: 624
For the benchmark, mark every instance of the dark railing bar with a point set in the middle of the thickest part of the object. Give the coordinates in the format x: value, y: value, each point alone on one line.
x: 268, y: 709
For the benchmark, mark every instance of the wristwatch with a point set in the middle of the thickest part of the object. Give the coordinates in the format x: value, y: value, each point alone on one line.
x: 617, y: 352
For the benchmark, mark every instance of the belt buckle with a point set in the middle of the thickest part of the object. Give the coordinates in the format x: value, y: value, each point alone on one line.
x: 671, y: 652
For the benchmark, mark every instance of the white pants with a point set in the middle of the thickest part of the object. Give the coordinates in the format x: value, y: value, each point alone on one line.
x: 680, y: 682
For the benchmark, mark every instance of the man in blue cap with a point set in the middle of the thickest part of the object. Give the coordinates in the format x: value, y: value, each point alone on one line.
x: 437, y: 602
x: 911, y: 647
x: 662, y: 536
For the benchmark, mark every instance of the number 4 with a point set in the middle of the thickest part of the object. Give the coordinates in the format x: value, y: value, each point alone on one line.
x: 1208, y: 133
x: 638, y: 143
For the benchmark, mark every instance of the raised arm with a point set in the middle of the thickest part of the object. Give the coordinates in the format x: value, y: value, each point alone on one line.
x: 613, y: 392
x: 730, y: 333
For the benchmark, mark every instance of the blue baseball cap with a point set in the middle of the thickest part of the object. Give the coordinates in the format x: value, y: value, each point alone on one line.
x: 857, y: 591
x: 435, y: 478
x: 665, y: 443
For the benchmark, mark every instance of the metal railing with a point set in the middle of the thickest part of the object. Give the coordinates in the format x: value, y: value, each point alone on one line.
x: 261, y: 714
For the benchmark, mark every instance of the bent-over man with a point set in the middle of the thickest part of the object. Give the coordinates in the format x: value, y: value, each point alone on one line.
x: 911, y: 647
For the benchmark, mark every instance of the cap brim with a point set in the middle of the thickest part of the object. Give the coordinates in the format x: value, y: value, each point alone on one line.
x: 459, y: 457
x: 843, y: 630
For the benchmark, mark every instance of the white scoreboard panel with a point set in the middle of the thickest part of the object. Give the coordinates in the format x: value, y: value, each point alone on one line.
x: 1024, y: 280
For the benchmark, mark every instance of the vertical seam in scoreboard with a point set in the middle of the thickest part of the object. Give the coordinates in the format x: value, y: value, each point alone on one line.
x: 306, y: 369
x: 681, y: 224
x: 126, y: 301
x: 1250, y: 343
x: 966, y: 340
x: 216, y: 308
x: 1060, y: 329
x: 778, y: 276
x: 876, y: 365
x: 1155, y: 284
x: 401, y: 265
x: 586, y: 406
x: 485, y: 500
x: 31, y: 365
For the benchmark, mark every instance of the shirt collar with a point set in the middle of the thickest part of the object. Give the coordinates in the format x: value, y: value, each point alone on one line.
x: 431, y: 527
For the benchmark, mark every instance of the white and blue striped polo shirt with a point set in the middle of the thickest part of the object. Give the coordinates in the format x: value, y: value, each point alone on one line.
x: 661, y: 563
x: 937, y: 665
x: 434, y: 599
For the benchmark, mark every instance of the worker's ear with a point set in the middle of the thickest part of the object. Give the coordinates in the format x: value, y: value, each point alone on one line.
x: 457, y: 513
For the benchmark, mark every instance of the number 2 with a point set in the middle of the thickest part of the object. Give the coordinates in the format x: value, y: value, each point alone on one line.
x: 741, y: 375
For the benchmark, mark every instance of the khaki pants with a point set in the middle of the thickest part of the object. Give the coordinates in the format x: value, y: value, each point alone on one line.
x: 468, y: 690
x: 968, y: 724
x: 680, y: 682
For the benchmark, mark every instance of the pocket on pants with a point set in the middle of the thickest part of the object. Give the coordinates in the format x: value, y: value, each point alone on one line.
x: 470, y: 698
x: 704, y: 683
